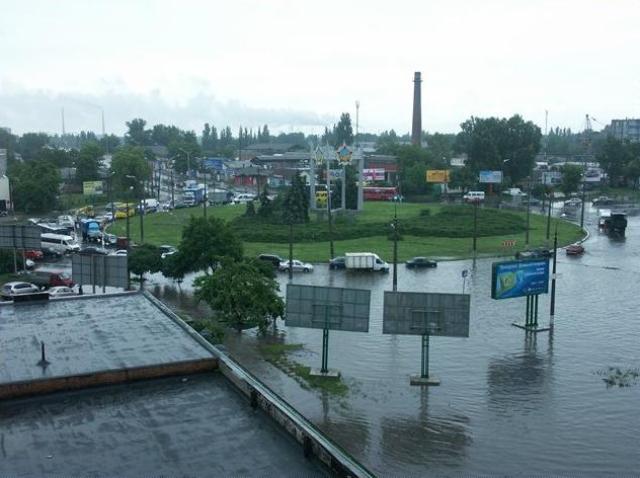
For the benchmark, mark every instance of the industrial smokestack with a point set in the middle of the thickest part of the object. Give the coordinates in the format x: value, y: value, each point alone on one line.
x: 416, y: 128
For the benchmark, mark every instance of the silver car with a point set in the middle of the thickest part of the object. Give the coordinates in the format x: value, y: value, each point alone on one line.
x: 61, y: 291
x: 298, y: 266
x: 11, y: 289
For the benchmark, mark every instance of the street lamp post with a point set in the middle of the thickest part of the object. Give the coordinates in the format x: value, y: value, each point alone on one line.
x: 526, y: 240
x: 127, y: 212
x: 141, y: 207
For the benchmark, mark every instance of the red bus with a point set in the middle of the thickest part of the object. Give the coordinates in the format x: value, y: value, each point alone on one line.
x: 379, y: 194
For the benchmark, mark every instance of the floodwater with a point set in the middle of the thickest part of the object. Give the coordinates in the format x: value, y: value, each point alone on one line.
x: 509, y: 402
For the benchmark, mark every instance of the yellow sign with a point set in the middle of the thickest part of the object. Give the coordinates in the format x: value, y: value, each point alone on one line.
x: 92, y: 188
x: 438, y: 176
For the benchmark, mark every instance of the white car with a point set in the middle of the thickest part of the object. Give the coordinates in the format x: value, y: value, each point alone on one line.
x: 298, y: 266
x: 61, y: 291
x: 11, y: 289
x: 243, y: 198
x: 166, y: 251
x: 120, y: 252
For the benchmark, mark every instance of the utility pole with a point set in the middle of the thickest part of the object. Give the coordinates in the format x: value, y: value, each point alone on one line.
x: 526, y: 240
x: 549, y: 214
x: 204, y: 203
x: 142, y: 208
x: 475, y: 227
x: 331, y: 251
x: 587, y: 152
x: 395, y: 250
x: 553, y: 279
x: 290, y: 247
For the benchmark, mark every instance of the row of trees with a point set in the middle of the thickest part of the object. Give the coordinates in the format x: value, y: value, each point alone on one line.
x: 242, y: 292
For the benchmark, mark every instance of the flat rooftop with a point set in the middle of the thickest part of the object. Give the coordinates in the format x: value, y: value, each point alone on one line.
x: 90, y: 334
x: 181, y: 426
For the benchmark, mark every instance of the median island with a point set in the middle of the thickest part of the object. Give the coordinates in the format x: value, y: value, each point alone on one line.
x: 440, y: 231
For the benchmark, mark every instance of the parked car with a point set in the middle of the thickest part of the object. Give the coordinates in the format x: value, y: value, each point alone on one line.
x: 539, y: 253
x: 420, y: 263
x: 272, y: 259
x: 94, y: 250
x: 61, y: 291
x: 11, y: 289
x: 34, y: 254
x: 166, y: 251
x: 120, y: 252
x: 338, y: 263
x: 297, y: 266
x: 243, y: 198
x: 474, y: 196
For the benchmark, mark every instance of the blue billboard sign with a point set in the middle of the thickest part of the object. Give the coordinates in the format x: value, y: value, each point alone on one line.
x: 519, y: 278
x: 491, y: 177
x: 216, y: 164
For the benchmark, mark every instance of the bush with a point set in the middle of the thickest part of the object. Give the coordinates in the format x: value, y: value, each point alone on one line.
x: 451, y: 221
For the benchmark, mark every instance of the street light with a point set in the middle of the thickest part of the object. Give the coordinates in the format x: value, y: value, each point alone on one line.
x: 188, y: 160
x: 141, y: 207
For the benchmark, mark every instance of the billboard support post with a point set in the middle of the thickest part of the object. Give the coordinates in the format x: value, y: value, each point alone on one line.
x: 325, y: 350
x: 424, y: 369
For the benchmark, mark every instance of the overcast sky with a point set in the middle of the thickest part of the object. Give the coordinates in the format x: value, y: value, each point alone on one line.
x: 299, y: 64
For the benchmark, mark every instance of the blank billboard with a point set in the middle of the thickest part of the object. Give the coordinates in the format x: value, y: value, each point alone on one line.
x: 420, y: 313
x: 331, y: 308
x: 16, y: 236
x: 99, y: 270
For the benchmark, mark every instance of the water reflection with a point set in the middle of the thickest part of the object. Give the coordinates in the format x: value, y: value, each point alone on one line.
x: 520, y: 382
x: 425, y: 439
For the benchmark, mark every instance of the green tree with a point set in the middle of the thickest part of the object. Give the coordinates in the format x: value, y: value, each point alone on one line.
x: 613, y: 159
x: 30, y: 144
x: 343, y: 132
x: 205, y: 243
x: 59, y: 157
x: 266, y: 205
x: 88, y: 162
x: 165, y: 134
x: 130, y: 161
x: 490, y: 142
x: 110, y: 143
x: 571, y: 178
x: 241, y: 295
x: 137, y: 135
x: 295, y: 207
x: 35, y: 185
x: 143, y: 259
x: 186, y: 151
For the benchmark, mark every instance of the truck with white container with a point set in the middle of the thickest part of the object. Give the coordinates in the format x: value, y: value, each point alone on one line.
x: 193, y: 193
x: 365, y: 261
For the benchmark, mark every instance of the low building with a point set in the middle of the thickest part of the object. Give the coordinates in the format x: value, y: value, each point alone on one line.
x: 625, y: 129
x: 140, y: 393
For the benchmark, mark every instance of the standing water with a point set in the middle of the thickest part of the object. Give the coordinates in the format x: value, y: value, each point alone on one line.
x: 510, y: 402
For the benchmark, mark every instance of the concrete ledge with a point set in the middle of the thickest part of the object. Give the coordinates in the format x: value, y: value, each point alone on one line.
x: 431, y: 380
x: 329, y: 374
x: 107, y: 377
x: 530, y: 328
x: 313, y: 441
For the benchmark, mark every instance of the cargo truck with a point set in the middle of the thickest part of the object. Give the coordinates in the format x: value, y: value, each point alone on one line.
x: 365, y: 261
x: 193, y: 193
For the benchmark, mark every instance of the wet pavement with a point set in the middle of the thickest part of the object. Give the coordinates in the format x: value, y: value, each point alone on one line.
x: 510, y: 402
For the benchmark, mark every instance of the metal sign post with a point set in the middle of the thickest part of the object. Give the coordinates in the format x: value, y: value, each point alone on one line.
x: 426, y: 314
x: 327, y: 308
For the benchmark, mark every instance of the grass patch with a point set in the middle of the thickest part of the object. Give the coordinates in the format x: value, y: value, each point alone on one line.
x: 444, y: 232
x: 277, y: 354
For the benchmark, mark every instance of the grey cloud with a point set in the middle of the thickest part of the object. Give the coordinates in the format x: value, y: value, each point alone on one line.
x: 41, y: 111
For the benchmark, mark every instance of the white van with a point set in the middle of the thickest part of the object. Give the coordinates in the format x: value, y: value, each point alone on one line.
x: 59, y: 243
x: 474, y: 196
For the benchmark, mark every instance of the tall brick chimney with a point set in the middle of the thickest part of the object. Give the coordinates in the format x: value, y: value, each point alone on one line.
x: 416, y: 127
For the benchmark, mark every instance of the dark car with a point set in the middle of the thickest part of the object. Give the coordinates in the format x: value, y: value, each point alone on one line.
x: 539, y: 253
x: 273, y: 259
x: 420, y: 262
x: 338, y: 263
x: 94, y: 250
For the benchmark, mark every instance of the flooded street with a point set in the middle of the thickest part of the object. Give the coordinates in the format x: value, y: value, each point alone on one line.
x: 509, y: 402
